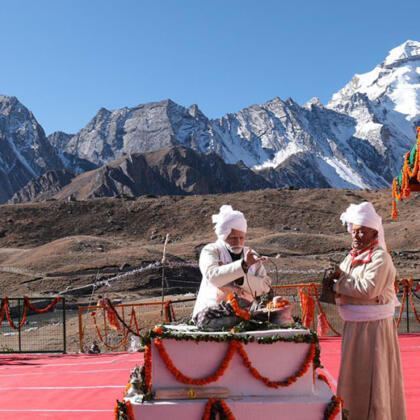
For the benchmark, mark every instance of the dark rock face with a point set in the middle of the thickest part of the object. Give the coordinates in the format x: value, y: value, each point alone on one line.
x: 356, y: 141
x: 43, y: 187
x: 171, y: 171
x: 25, y: 152
x: 299, y: 170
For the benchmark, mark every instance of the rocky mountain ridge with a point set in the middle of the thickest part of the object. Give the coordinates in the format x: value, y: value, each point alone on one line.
x: 355, y: 141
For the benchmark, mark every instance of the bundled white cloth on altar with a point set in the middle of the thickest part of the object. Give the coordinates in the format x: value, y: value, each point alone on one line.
x: 364, y: 214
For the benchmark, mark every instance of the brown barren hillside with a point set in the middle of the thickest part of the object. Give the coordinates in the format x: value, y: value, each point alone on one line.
x: 51, y: 246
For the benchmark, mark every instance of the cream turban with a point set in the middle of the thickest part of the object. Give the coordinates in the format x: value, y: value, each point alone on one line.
x: 228, y: 219
x: 364, y: 214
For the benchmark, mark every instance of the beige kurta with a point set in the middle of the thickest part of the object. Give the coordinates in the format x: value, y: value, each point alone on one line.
x: 370, y: 379
x: 219, y: 272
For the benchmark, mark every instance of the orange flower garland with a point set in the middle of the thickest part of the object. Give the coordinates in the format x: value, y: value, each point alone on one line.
x: 325, y: 379
x: 276, y: 384
x: 121, y: 343
x: 406, y: 175
x: 169, y: 312
x: 41, y: 311
x: 9, y: 319
x: 129, y: 414
x: 148, y: 367
x: 180, y: 377
x: 226, y: 410
x: 233, y: 346
x: 244, y: 314
x: 307, y: 303
x: 408, y: 288
x: 334, y: 408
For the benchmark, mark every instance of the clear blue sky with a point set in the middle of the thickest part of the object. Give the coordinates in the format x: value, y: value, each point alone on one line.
x: 65, y: 59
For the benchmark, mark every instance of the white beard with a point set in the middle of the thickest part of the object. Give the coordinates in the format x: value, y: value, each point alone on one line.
x: 234, y: 250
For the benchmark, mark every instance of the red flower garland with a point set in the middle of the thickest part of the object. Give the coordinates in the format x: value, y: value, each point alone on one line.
x: 325, y: 379
x: 9, y: 319
x: 336, y: 404
x: 128, y: 410
x: 130, y: 413
x: 41, y: 311
x: 407, y: 173
x: 244, y: 314
x: 180, y: 377
x: 226, y: 410
x: 121, y: 343
x: 233, y: 346
x: 148, y: 367
x: 276, y: 384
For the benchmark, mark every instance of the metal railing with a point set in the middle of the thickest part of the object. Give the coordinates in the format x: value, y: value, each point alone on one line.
x: 25, y: 326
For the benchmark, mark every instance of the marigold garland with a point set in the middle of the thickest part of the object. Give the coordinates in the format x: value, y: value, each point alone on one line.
x: 408, y: 284
x: 169, y: 312
x: 406, y: 174
x: 211, y: 403
x: 9, y: 318
x: 123, y: 410
x: 148, y: 367
x: 121, y: 343
x: 307, y: 304
x: 244, y: 314
x: 2, y: 312
x: 234, y: 346
x: 41, y: 311
x: 276, y: 384
x: 180, y: 377
x: 322, y: 377
x: 333, y: 408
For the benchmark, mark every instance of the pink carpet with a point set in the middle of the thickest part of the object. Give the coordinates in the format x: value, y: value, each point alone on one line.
x: 410, y: 355
x: 64, y: 387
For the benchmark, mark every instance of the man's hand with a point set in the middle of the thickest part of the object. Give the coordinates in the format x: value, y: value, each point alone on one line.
x: 334, y: 270
x: 252, y: 258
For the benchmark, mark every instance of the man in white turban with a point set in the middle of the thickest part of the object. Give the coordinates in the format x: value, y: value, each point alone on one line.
x: 228, y: 266
x: 370, y: 379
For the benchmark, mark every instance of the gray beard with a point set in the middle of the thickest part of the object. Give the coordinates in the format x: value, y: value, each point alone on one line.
x: 235, y: 250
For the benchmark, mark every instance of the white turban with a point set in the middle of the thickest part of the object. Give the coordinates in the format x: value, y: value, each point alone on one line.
x: 228, y: 219
x: 364, y: 214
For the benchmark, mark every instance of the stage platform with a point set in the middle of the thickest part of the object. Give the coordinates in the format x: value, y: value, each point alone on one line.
x: 65, y: 387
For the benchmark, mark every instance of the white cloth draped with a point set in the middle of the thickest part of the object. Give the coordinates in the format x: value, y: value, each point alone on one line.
x: 365, y: 313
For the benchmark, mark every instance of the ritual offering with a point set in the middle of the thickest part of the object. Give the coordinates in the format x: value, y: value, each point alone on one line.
x: 193, y: 374
x: 278, y: 311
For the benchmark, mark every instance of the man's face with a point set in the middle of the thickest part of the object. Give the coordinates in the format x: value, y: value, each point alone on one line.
x: 236, y: 241
x: 362, y: 236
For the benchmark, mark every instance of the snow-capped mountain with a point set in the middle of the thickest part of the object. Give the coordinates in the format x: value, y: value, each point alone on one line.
x: 25, y: 152
x: 385, y: 103
x: 356, y: 141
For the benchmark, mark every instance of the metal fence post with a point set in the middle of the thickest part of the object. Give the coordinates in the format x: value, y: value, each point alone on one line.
x: 64, y: 324
x: 406, y: 309
x: 19, y: 329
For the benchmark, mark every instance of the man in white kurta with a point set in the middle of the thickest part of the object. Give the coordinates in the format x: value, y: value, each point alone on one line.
x: 228, y: 266
x: 370, y: 379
